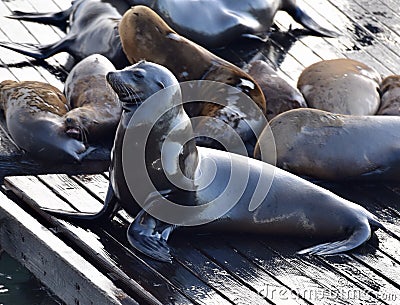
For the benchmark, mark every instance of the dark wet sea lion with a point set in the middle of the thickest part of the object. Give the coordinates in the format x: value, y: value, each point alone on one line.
x: 342, y: 86
x: 96, y: 109
x: 323, y: 145
x: 144, y: 35
x: 390, y: 96
x: 93, y: 29
x: 218, y: 23
x: 34, y: 116
x: 179, y: 172
x: 281, y: 95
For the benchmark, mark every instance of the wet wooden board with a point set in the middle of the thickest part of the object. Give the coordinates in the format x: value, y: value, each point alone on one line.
x: 66, y: 273
x: 237, y: 269
x: 214, y: 269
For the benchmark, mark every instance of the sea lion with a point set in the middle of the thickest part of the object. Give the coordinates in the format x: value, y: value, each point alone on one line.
x: 342, y: 86
x: 144, y: 35
x: 93, y: 29
x: 34, y: 117
x: 162, y: 162
x: 281, y: 95
x: 215, y: 24
x: 96, y: 109
x: 390, y: 96
x: 323, y: 145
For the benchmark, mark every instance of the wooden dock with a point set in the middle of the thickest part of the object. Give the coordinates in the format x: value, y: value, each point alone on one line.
x: 95, y: 265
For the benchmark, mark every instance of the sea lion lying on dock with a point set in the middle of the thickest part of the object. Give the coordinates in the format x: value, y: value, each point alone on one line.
x: 179, y: 184
x: 34, y: 116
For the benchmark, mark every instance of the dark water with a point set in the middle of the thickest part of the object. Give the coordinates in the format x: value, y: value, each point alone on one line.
x: 19, y: 287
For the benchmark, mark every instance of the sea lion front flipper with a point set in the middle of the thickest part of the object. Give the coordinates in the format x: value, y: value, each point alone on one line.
x: 59, y: 19
x: 360, y: 235
x: 38, y: 51
x: 149, y: 236
x: 110, y: 207
x: 304, y: 19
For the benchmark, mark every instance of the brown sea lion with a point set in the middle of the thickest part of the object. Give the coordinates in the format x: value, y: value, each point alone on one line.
x: 390, y: 96
x: 323, y: 145
x: 34, y: 116
x: 342, y: 86
x: 96, y: 109
x: 281, y: 95
x: 217, y: 23
x: 144, y: 35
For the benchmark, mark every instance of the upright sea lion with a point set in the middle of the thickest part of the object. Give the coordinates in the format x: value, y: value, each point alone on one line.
x: 342, y: 86
x: 390, y: 96
x: 93, y: 29
x: 144, y: 35
x: 281, y: 95
x: 162, y: 163
x: 34, y: 117
x: 96, y: 109
x: 323, y: 145
x: 217, y: 23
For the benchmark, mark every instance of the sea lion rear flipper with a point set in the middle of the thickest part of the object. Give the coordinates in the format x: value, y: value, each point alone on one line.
x: 304, y: 19
x: 58, y: 19
x: 37, y: 51
x: 360, y: 235
x: 110, y: 207
x: 149, y: 236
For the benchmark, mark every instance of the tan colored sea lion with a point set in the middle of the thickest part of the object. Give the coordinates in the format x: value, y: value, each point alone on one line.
x: 323, y: 145
x: 281, y: 95
x: 342, y: 86
x: 34, y: 116
x: 96, y: 109
x: 144, y: 35
x: 390, y: 96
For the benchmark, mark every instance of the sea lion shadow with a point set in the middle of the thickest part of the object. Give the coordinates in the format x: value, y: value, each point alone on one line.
x: 60, y: 72
x: 273, y: 49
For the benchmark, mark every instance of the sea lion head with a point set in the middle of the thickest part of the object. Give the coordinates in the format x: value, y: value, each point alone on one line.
x: 76, y: 121
x: 136, y: 83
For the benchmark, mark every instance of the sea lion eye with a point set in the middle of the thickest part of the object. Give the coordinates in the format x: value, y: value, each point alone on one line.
x: 138, y: 73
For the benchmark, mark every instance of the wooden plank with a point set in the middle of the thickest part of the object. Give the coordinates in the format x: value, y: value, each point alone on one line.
x: 72, y: 192
x: 90, y: 249
x: 295, y: 273
x: 97, y: 185
x: 216, y: 277
x: 30, y: 187
x: 171, y: 283
x: 248, y: 273
x: 67, y: 274
x: 368, y: 283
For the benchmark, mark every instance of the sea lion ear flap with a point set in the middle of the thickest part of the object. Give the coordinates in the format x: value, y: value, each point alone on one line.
x: 161, y: 84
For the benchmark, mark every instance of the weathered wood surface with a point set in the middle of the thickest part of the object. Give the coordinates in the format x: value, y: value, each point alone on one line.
x: 238, y: 269
x: 67, y: 274
x: 226, y: 269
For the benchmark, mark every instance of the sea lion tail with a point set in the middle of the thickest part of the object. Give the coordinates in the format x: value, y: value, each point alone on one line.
x: 149, y: 236
x: 37, y: 51
x: 360, y: 235
x: 304, y: 19
x: 59, y: 19
x: 105, y: 215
